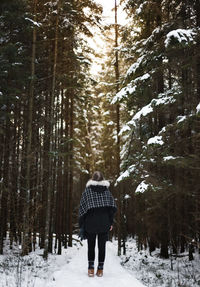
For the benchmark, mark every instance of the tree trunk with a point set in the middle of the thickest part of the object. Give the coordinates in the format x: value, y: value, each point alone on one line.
x: 66, y: 169
x: 4, y: 191
x: 71, y: 173
x: 49, y: 190
x: 26, y: 219
x: 164, y: 253
x: 119, y: 200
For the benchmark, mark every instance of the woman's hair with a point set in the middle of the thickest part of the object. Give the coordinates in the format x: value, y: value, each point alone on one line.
x: 97, y: 176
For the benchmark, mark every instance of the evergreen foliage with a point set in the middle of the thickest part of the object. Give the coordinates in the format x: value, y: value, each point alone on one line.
x: 160, y: 91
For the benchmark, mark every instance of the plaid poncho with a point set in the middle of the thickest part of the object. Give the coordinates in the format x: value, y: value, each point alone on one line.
x: 94, y: 199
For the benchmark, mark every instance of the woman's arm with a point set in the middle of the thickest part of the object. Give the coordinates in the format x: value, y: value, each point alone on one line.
x: 81, y: 221
x: 111, y: 212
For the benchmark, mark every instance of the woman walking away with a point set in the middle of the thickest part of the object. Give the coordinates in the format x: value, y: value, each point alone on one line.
x: 96, y: 213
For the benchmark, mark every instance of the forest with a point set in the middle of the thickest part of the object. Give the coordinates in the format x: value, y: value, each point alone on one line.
x: 137, y: 120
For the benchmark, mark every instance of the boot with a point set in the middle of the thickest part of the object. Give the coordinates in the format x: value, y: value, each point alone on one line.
x: 91, y: 268
x: 99, y: 272
x: 91, y: 272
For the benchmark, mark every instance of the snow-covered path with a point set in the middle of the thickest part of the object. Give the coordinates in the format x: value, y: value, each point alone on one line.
x: 74, y: 274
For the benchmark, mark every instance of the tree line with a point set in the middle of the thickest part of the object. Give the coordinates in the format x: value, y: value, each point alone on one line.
x: 138, y: 121
x: 44, y: 124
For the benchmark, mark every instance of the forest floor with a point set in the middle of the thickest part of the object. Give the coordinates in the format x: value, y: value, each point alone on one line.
x: 70, y: 268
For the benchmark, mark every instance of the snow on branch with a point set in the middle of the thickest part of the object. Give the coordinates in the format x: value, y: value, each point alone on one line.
x: 126, y: 173
x: 51, y: 4
x: 170, y: 157
x: 184, y: 36
x: 164, y: 99
x: 198, y: 108
x: 155, y: 140
x: 135, y: 66
x: 124, y: 129
x: 140, y: 8
x: 181, y: 119
x: 127, y: 196
x: 130, y: 88
x: 142, y: 78
x: 33, y: 22
x: 143, y: 112
x: 142, y: 187
x: 123, y: 93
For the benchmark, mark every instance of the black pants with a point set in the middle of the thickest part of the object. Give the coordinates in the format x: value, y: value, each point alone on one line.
x: 91, y: 239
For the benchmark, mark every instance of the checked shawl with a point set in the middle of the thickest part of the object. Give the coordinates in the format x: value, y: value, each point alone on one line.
x: 93, y: 199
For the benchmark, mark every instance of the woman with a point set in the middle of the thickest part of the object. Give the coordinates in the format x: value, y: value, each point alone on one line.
x: 96, y: 213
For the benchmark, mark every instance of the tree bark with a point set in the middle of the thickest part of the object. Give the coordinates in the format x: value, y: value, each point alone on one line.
x: 26, y: 219
x: 71, y: 169
x: 49, y: 190
x: 119, y: 200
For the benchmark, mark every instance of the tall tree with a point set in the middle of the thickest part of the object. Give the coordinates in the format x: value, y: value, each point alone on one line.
x: 118, y: 130
x: 158, y: 93
x: 26, y: 219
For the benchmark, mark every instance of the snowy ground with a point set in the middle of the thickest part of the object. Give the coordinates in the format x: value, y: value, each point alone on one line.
x: 154, y: 271
x: 69, y: 269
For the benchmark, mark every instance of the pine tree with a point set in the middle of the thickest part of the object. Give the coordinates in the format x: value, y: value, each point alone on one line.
x: 158, y: 90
